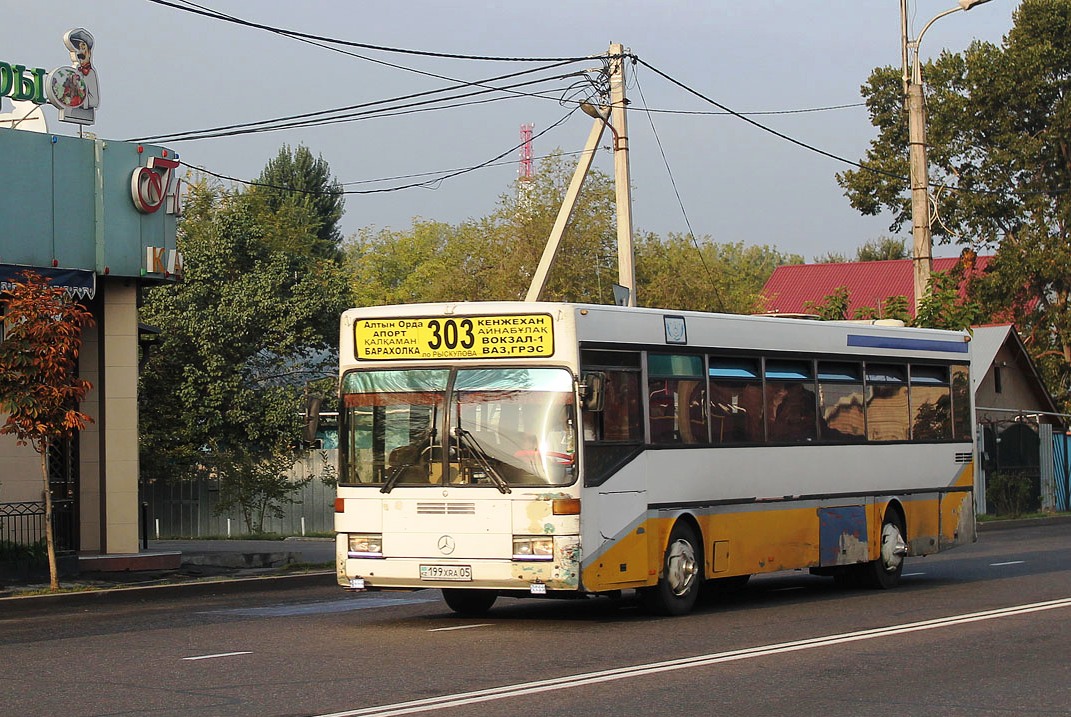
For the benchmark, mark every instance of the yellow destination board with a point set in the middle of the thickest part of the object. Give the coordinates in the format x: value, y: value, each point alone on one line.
x: 454, y: 337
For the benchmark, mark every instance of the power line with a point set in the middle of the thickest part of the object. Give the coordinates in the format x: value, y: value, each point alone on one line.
x: 673, y: 183
x: 755, y: 113
x: 237, y: 128
x: 429, y: 184
x: 761, y: 126
x: 208, y: 12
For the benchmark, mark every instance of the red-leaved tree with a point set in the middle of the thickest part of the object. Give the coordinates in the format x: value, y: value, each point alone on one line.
x: 39, y: 386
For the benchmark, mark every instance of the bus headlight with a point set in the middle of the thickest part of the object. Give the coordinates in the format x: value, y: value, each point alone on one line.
x: 365, y: 545
x: 533, y: 548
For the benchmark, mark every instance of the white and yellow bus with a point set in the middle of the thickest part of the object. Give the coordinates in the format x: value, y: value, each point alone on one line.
x: 552, y: 449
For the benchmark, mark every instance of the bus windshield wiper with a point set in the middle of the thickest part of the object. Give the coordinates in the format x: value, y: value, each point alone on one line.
x: 481, y: 458
x: 396, y: 474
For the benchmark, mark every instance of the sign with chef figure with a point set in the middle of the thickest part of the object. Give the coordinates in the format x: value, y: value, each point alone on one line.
x: 75, y: 90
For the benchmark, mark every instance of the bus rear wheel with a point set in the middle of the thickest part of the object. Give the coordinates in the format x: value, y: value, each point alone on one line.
x: 469, y: 602
x: 677, y: 589
x: 884, y: 573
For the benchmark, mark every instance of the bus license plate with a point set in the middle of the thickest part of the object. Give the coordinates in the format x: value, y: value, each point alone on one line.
x: 461, y: 573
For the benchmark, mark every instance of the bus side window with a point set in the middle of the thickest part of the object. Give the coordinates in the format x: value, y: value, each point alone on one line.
x: 886, y: 402
x: 961, y: 404
x: 735, y: 400
x: 840, y: 402
x: 676, y: 398
x: 621, y: 417
x: 791, y: 413
x: 931, y: 403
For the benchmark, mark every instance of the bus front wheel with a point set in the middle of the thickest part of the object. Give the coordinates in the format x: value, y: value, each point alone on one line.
x: 678, y: 587
x: 469, y: 602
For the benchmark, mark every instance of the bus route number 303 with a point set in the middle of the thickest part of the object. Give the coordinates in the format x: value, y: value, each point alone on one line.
x: 451, y: 334
x: 461, y: 573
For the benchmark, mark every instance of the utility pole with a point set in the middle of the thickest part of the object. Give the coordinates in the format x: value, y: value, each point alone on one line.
x: 916, y: 137
x: 626, y: 271
x: 920, y: 190
x: 614, y: 118
x: 918, y: 174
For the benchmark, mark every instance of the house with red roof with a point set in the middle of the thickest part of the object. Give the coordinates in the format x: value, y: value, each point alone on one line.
x: 793, y: 289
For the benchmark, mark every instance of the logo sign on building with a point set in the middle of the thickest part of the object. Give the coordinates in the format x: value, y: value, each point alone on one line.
x: 159, y: 260
x: 153, y: 185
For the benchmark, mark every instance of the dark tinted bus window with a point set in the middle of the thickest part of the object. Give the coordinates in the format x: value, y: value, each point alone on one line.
x: 886, y: 402
x: 840, y: 402
x: 676, y: 393
x: 931, y: 403
x: 961, y: 404
x: 735, y: 400
x: 614, y: 435
x: 791, y: 414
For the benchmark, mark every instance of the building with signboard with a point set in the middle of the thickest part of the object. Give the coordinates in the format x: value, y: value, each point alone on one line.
x: 98, y: 217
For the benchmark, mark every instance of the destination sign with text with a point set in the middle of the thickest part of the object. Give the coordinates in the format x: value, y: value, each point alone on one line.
x: 454, y: 337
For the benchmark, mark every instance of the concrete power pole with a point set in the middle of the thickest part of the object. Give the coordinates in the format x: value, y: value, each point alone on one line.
x: 920, y: 191
x: 922, y: 251
x: 626, y: 270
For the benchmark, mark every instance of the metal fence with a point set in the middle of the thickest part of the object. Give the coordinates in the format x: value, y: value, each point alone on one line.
x: 189, y: 508
x: 22, y: 526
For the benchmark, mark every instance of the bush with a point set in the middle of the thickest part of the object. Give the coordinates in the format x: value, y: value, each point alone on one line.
x: 1012, y: 493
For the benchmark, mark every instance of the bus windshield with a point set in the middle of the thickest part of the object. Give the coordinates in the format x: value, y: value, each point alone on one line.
x: 495, y: 427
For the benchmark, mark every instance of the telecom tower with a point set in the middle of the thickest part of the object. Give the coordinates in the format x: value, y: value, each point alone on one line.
x: 524, y: 168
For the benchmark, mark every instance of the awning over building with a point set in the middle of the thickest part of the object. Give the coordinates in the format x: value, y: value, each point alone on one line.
x: 79, y: 284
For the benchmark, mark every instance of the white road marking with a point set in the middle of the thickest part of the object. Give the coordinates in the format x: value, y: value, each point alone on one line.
x: 1010, y: 562
x: 212, y: 657
x: 460, y: 627
x: 589, y: 678
x: 330, y: 606
x: 911, y: 575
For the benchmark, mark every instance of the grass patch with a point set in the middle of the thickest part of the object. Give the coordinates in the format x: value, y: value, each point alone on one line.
x: 991, y: 518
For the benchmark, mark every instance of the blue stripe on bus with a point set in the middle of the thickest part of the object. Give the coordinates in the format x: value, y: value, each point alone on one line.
x: 891, y: 342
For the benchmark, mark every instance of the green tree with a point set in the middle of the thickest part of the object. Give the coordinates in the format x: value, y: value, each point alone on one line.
x: 703, y: 275
x: 239, y: 337
x: 873, y: 250
x: 39, y: 384
x: 495, y: 257
x: 882, y: 249
x: 998, y: 128
x: 832, y: 307
x: 302, y: 185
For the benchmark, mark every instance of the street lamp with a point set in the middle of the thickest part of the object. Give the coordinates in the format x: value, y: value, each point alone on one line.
x: 916, y: 132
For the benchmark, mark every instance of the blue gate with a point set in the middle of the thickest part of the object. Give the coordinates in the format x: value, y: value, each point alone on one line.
x: 1061, y: 444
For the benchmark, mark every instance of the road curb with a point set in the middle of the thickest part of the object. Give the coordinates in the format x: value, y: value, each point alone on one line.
x: 995, y: 525
x: 44, y: 602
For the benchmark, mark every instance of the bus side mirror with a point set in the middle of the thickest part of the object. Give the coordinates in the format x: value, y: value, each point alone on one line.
x: 591, y: 390
x: 312, y: 421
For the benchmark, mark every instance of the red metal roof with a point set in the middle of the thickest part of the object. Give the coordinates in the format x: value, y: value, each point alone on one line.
x: 869, y: 283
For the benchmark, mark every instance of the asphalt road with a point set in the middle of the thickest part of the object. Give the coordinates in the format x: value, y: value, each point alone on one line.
x: 983, y: 630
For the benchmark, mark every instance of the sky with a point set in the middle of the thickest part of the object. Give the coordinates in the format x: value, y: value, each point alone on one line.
x: 164, y: 70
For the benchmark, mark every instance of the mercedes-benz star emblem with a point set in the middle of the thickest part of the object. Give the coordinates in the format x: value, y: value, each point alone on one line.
x: 446, y: 545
